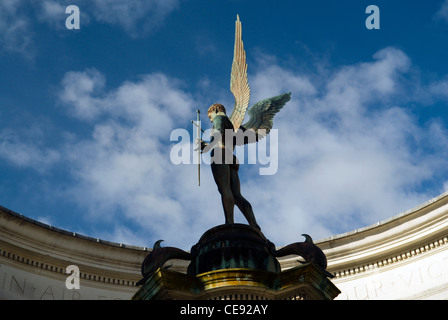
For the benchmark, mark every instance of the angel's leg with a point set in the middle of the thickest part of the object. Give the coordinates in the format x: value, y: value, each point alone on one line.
x: 244, y: 205
x: 221, y: 174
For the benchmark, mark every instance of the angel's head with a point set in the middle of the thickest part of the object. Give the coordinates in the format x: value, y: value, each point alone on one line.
x: 215, y: 109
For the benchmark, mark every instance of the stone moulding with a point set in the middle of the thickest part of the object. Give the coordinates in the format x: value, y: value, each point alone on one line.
x: 45, y: 250
x: 401, y: 239
x: 390, y: 261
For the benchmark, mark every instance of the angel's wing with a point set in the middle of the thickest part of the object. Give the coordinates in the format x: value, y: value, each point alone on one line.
x: 239, y: 85
x: 261, y: 118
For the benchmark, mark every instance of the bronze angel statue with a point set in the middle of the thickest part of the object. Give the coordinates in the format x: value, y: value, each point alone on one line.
x: 229, y: 131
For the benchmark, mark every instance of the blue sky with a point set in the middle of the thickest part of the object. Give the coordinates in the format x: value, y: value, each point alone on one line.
x: 86, y: 115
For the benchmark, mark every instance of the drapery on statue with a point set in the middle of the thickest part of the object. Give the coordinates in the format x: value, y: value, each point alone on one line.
x: 229, y: 131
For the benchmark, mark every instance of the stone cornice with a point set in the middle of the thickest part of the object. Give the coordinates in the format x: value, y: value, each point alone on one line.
x: 390, y: 261
x: 34, y: 245
x: 407, y: 236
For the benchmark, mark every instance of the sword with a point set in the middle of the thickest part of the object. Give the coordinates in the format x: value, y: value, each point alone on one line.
x: 197, y: 126
x: 199, y: 147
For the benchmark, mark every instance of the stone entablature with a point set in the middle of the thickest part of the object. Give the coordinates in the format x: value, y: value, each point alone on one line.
x: 404, y: 257
x: 34, y: 258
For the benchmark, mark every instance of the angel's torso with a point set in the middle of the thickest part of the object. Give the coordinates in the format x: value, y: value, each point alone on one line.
x: 221, y: 124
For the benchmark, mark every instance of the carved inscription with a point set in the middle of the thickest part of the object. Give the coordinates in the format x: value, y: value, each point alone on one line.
x: 408, y: 280
x: 15, y: 284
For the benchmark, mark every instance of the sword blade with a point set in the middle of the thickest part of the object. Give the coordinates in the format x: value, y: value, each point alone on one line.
x: 199, y: 148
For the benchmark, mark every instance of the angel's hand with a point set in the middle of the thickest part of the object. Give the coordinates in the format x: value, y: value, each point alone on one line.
x: 203, y: 144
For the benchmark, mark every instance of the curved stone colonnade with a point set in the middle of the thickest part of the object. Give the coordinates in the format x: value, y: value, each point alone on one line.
x: 404, y: 257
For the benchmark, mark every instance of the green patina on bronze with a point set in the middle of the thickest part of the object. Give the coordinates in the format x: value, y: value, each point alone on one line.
x: 236, y: 257
x: 232, y: 246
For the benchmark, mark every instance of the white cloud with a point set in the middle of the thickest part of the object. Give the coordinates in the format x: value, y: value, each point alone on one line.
x: 443, y: 11
x: 15, y: 31
x: 52, y: 10
x: 26, y: 152
x: 53, y: 13
x: 134, y: 16
x: 349, y: 155
x: 439, y: 89
x: 124, y: 168
x: 81, y: 91
x: 275, y: 80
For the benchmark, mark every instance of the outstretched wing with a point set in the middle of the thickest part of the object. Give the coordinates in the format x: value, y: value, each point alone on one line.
x: 261, y: 118
x: 239, y: 85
